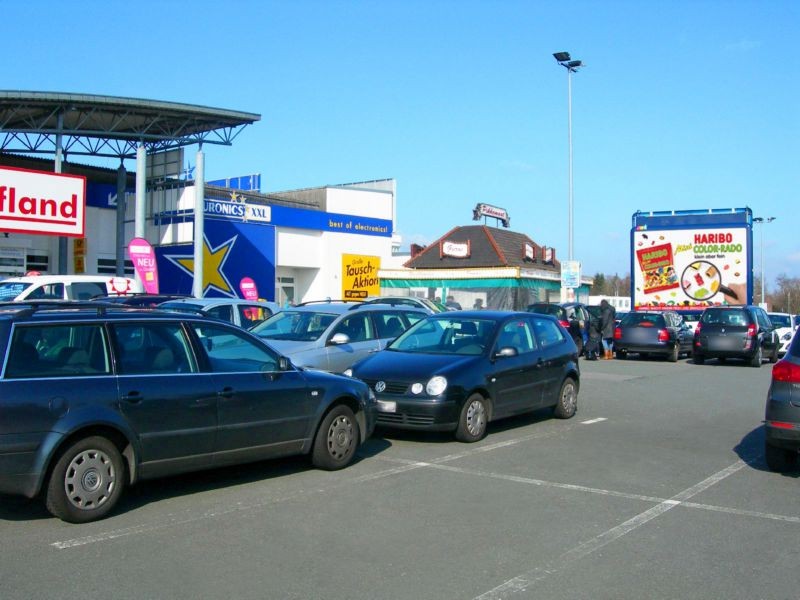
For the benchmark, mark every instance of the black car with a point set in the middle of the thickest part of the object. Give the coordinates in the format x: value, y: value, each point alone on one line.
x: 735, y: 332
x: 457, y: 371
x: 573, y: 316
x: 648, y: 333
x: 94, y: 399
x: 782, y: 417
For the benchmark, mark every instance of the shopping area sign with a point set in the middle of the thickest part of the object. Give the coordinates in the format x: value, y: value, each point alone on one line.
x: 42, y: 203
x: 570, y: 274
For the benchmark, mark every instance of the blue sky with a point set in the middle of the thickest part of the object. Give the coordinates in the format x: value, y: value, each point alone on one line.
x: 681, y: 105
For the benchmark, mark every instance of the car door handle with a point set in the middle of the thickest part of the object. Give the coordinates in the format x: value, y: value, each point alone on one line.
x: 226, y: 392
x: 132, y: 397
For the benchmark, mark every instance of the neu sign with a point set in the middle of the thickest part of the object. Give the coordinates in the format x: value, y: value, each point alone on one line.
x: 42, y: 203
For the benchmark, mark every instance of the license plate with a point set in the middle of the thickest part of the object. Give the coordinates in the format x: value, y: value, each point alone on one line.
x: 386, y: 406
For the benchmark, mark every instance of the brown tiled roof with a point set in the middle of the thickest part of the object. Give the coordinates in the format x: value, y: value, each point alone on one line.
x: 488, y: 247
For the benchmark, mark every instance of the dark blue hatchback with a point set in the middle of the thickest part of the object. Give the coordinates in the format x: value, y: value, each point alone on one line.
x: 457, y: 371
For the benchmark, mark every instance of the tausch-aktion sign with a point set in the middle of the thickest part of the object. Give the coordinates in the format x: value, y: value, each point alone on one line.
x: 42, y: 203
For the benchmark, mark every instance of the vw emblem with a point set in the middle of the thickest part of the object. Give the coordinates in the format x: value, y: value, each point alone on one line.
x: 380, y: 386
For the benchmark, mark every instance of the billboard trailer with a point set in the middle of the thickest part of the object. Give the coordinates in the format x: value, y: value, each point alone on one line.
x: 691, y: 259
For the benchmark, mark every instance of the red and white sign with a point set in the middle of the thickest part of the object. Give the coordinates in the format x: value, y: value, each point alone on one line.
x: 455, y: 249
x: 248, y: 288
x: 42, y: 203
x: 144, y: 261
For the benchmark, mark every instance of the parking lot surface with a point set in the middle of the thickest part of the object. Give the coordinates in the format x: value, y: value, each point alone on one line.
x: 657, y: 488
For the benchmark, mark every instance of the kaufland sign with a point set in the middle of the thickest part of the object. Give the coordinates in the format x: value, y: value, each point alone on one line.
x: 42, y: 203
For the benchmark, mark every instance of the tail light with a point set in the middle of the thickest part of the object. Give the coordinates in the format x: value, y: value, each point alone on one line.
x: 617, y: 333
x: 786, y: 371
x: 564, y: 324
x: 752, y: 330
x: 697, y: 329
x: 663, y: 335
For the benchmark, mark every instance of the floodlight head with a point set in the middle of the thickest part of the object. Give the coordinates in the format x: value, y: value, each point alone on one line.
x: 561, y: 56
x: 574, y: 64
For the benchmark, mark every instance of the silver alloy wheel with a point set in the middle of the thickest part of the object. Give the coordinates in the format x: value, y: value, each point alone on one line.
x: 340, y: 437
x: 569, y: 398
x: 476, y: 418
x: 90, y: 479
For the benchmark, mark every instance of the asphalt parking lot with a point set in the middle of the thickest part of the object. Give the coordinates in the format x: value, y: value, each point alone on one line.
x: 656, y: 489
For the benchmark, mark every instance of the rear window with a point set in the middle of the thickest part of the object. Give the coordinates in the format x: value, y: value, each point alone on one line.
x: 548, y: 309
x: 642, y: 320
x: 719, y: 316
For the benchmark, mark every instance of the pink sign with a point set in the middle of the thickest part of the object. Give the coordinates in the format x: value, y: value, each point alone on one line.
x: 249, y: 289
x: 144, y: 261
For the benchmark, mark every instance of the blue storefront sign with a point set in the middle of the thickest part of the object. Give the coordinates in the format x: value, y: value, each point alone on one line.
x: 231, y: 251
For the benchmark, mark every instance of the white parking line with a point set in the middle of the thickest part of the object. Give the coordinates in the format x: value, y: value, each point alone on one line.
x: 527, y: 579
x: 591, y: 421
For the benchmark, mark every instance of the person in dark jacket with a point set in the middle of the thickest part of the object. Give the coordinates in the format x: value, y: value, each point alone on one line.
x: 607, y: 315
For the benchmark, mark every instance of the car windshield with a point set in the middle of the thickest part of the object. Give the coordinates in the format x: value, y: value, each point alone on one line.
x: 446, y: 336
x: 11, y: 289
x: 781, y: 320
x: 295, y: 325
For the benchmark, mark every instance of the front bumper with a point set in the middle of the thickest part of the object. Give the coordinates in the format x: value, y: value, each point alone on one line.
x: 425, y: 414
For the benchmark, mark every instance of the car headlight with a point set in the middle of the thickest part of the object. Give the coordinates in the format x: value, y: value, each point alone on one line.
x: 437, y: 385
x: 786, y: 337
x: 417, y: 388
x: 347, y: 372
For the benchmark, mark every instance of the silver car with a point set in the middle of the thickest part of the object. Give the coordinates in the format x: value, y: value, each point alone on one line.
x: 331, y: 336
x: 244, y: 313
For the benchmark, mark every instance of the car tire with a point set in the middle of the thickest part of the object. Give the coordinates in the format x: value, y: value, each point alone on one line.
x: 698, y: 359
x: 567, y: 404
x: 779, y: 460
x: 86, y: 481
x: 337, y: 439
x: 673, y: 355
x: 621, y: 354
x: 473, y: 420
x: 756, y: 360
x: 774, y: 356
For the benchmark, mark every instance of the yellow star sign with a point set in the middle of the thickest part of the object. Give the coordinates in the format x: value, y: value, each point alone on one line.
x: 213, y: 263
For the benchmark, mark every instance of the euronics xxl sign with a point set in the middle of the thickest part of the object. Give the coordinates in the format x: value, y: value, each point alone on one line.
x: 42, y: 203
x: 360, y: 276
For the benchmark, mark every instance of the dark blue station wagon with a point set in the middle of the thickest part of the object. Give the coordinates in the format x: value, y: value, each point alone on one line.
x: 92, y: 400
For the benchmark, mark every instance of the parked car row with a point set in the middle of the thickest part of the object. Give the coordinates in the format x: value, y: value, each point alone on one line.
x: 96, y: 397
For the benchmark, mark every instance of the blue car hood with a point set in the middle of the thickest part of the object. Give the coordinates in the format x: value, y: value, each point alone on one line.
x: 410, y: 366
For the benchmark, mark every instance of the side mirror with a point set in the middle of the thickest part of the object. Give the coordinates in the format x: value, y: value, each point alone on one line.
x: 506, y: 351
x: 284, y: 364
x: 338, y: 339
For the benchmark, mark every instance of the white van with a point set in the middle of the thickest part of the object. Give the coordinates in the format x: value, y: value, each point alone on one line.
x: 65, y: 287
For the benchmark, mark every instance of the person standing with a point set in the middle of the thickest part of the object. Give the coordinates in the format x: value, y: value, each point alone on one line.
x: 607, y: 316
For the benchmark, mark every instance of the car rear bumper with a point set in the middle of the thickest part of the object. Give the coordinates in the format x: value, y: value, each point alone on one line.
x: 647, y: 348
x: 19, y: 464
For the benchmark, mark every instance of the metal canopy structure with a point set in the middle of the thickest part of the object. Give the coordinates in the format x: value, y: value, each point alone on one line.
x: 109, y: 126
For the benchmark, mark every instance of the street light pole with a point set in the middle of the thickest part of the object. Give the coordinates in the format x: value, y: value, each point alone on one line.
x: 572, y: 66
x: 762, y: 221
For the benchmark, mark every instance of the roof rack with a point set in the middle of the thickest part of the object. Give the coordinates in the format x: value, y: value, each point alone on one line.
x: 329, y: 301
x: 29, y: 307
